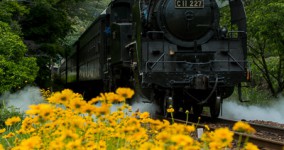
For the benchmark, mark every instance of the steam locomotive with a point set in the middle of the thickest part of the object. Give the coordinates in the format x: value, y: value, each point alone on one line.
x: 173, y: 52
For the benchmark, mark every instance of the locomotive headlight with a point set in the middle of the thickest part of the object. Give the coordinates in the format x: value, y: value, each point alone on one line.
x: 171, y: 52
x: 223, y: 32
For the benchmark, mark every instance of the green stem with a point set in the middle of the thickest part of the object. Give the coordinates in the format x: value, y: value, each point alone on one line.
x: 186, y: 119
x: 239, y: 142
x: 8, y: 142
x: 172, y: 115
x: 246, y: 140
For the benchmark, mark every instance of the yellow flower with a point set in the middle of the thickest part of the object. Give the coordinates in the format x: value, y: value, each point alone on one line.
x: 163, y: 136
x: 68, y: 134
x: 147, y: 146
x: 182, y: 140
x: 91, y: 145
x: 103, y: 110
x: 114, y: 98
x: 243, y: 127
x: 1, y: 147
x: 77, y: 104
x: 250, y: 146
x: 11, y: 134
x: 170, y: 110
x: 223, y: 136
x: 61, y: 98
x: 31, y: 143
x: 96, y: 100
x: 125, y: 92
x: 190, y: 128
x: 207, y: 137
x: 13, y: 120
x: 2, y: 130
x: 215, y: 146
x: 74, y: 144
x: 144, y: 115
x: 102, y: 145
x: 56, y: 145
x: 88, y: 108
x: 207, y: 127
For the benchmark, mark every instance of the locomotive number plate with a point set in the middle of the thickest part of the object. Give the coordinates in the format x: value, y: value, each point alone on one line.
x: 189, y: 3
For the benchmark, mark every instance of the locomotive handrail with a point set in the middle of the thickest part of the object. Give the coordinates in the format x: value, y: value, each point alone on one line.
x: 155, y: 63
x: 236, y: 62
x: 191, y: 63
x: 163, y: 48
x: 232, y: 31
x: 228, y: 53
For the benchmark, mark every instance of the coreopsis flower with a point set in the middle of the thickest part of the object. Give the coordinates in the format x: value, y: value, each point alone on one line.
x: 241, y: 126
x: 74, y: 144
x: 88, y: 108
x: 102, y: 145
x: 223, y: 137
x: 103, y: 110
x: 33, y: 142
x: 207, y: 137
x: 2, y: 130
x: 125, y: 92
x: 170, y: 110
x: 77, y: 122
x: 215, y: 145
x: 77, y: 104
x: 56, y: 144
x: 95, y: 100
x: 68, y: 134
x: 12, y: 121
x: 91, y: 145
x: 163, y: 136
x: 148, y: 146
x: 114, y: 98
x: 144, y: 115
x: 250, y: 146
x: 62, y: 97
x: 11, y: 134
x: 182, y: 140
x: 190, y: 128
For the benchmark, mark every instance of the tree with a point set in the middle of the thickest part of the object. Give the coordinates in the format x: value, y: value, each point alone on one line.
x: 16, y: 70
x: 266, y: 41
x: 11, y: 12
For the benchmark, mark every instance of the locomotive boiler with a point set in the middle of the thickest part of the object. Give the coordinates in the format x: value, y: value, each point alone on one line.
x: 174, y: 52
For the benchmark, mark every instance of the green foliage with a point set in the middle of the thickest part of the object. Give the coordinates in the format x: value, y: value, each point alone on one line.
x: 82, y: 15
x: 16, y: 70
x: 46, y: 24
x: 255, y: 96
x: 9, y: 112
x: 266, y: 42
x: 10, y: 12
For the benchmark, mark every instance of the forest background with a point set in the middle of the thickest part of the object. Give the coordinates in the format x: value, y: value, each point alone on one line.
x: 36, y: 34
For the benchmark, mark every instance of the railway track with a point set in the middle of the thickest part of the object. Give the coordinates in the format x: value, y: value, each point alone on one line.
x: 266, y: 137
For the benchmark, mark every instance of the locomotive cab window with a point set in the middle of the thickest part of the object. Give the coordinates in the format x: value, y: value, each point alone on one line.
x: 121, y: 12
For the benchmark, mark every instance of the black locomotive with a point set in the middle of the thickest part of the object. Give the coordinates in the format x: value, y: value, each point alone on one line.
x: 174, y: 52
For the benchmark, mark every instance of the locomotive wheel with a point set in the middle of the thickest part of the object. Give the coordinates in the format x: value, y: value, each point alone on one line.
x: 215, y: 107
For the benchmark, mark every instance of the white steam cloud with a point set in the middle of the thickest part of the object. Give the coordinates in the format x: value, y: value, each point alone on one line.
x: 144, y: 105
x: 23, y: 98
x: 274, y: 112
